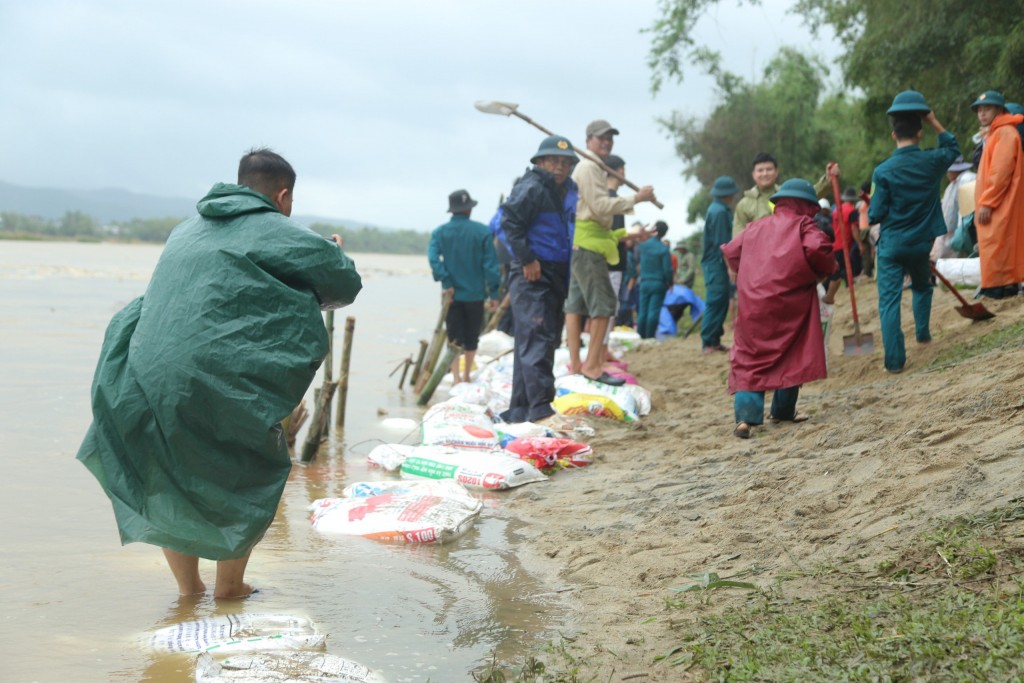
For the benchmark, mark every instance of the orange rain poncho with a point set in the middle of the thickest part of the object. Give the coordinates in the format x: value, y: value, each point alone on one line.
x: 1000, y: 186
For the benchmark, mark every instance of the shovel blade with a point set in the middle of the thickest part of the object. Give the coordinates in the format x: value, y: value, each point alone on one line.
x: 975, y: 312
x: 852, y: 348
x: 495, y: 107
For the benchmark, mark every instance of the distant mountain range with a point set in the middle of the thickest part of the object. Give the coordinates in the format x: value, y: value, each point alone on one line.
x: 113, y: 204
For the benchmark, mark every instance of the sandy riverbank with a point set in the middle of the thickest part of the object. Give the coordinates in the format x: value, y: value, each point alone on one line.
x: 677, y: 495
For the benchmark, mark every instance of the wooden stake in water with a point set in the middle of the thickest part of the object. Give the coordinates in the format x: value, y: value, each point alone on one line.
x: 343, y: 375
x: 316, y: 427
x: 418, y: 365
x: 439, y: 372
x: 329, y: 367
x: 426, y: 372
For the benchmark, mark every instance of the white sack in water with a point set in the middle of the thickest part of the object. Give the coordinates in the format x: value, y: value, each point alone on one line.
x: 284, y: 667
x: 459, y: 425
x: 479, y: 470
x: 390, y: 456
x: 238, y: 633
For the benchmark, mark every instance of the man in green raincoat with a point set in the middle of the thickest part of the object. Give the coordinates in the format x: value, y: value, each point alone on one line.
x: 195, y: 376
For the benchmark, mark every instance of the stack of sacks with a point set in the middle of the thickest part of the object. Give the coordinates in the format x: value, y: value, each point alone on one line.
x: 403, y: 512
x: 577, y: 394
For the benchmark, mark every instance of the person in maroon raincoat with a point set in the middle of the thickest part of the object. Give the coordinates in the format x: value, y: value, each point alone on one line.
x: 777, y: 344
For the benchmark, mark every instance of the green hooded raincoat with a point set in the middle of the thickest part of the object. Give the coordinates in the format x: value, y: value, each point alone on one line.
x: 195, y: 376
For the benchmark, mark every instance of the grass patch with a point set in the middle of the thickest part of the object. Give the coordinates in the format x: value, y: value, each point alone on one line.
x: 949, y: 607
x: 1004, y: 339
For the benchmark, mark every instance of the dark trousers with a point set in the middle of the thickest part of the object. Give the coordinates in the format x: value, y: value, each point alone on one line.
x: 716, y: 300
x: 652, y: 296
x: 748, y: 406
x: 890, y: 269
x: 538, y: 311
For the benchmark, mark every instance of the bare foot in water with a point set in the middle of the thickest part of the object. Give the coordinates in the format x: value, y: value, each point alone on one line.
x: 245, y: 591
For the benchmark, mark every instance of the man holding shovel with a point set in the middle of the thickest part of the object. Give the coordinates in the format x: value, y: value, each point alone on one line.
x: 595, y: 245
x: 906, y: 205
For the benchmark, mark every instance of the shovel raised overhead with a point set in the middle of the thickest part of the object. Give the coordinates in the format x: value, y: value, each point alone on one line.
x: 511, y: 109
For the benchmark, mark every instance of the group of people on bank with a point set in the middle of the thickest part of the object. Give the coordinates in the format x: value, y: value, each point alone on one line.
x: 773, y: 254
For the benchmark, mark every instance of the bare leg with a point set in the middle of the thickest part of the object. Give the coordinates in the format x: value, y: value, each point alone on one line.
x: 186, y: 572
x: 456, y: 375
x: 470, y: 356
x: 593, y: 367
x: 830, y: 294
x: 229, y: 578
x: 573, y: 329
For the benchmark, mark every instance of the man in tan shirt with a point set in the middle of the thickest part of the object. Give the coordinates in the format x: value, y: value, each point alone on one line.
x: 595, y: 245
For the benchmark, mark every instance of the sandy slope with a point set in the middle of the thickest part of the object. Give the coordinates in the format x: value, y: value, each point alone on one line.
x: 678, y: 495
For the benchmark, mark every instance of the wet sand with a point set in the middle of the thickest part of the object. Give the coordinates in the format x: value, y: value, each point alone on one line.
x: 677, y: 495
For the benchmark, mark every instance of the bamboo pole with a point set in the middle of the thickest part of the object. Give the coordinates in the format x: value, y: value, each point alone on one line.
x: 450, y: 355
x: 329, y: 367
x: 405, y: 370
x: 343, y: 374
x: 316, y: 427
x: 492, y: 324
x: 419, y: 362
x: 434, y: 350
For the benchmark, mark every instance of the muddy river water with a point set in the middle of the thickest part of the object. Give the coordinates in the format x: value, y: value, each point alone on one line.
x: 74, y: 600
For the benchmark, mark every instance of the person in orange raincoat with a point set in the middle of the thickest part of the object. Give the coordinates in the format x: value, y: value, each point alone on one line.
x: 999, y: 198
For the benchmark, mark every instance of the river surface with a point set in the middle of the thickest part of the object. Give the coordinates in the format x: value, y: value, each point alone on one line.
x: 74, y: 600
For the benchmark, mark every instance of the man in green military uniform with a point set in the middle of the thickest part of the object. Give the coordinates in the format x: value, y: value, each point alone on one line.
x: 756, y: 203
x: 717, y: 232
x: 906, y: 205
x: 195, y: 376
x: 686, y: 269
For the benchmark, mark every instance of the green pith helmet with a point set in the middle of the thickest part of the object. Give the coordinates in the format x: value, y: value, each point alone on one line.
x: 1015, y: 108
x: 554, y: 146
x: 909, y: 100
x: 796, y: 188
x: 990, y: 97
x: 724, y: 186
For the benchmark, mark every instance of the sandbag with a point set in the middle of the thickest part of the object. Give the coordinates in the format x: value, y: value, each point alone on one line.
x: 473, y: 393
x: 476, y: 470
x: 459, y: 425
x: 399, y: 518
x: 448, y: 488
x: 544, y: 451
x: 960, y: 271
x: 237, y: 633
x: 590, y: 404
x: 389, y: 456
x: 284, y: 667
x: 509, y: 431
x: 623, y: 396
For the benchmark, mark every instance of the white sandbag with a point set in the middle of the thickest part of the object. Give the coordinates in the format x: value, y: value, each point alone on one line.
x: 284, y: 667
x: 475, y: 470
x: 620, y: 340
x: 237, y: 633
x: 389, y: 456
x: 399, y: 518
x: 459, y: 425
x: 474, y: 393
x: 561, y: 368
x: 494, y: 343
x: 960, y: 271
x: 579, y: 384
x: 510, y: 431
x: 641, y: 396
x: 448, y: 488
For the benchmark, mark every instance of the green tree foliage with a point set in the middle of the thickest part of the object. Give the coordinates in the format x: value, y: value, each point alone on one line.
x: 949, y: 50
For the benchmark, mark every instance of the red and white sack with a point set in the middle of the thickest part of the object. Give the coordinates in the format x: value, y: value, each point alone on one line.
x: 399, y: 518
x: 459, y: 425
x: 543, y: 451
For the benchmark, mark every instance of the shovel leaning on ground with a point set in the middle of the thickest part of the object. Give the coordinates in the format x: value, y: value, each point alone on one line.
x: 967, y: 310
x: 859, y: 342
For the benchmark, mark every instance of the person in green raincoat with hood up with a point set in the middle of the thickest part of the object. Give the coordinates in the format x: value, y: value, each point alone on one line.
x: 195, y: 376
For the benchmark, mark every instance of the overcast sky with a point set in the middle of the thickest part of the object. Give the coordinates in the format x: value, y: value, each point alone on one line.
x: 371, y: 100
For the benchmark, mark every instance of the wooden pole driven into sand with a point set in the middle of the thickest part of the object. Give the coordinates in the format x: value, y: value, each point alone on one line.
x: 426, y: 371
x: 321, y: 413
x: 450, y: 355
x: 419, y: 362
x: 343, y: 374
x: 406, y: 364
x: 492, y: 324
x: 329, y: 367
